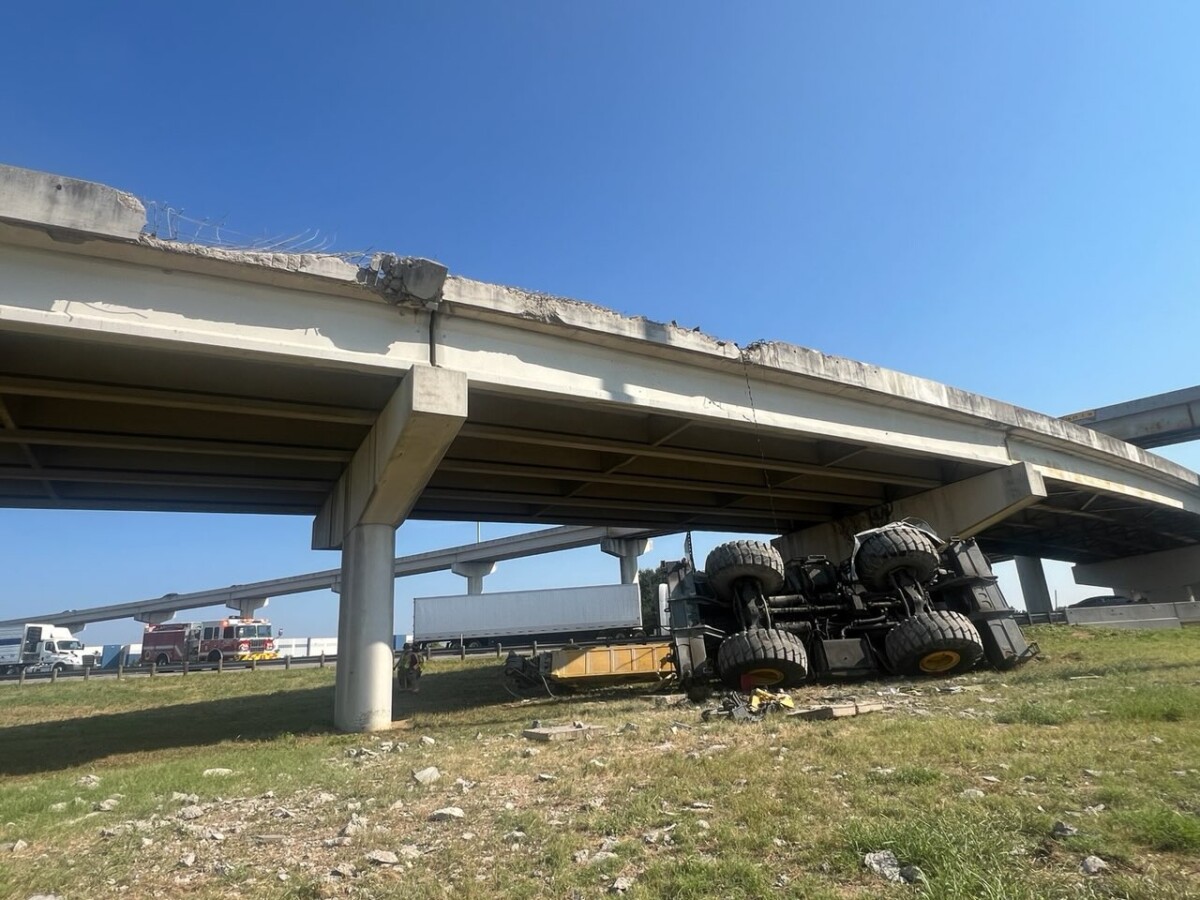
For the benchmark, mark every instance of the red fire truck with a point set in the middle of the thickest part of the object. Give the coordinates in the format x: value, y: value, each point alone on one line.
x: 231, y: 639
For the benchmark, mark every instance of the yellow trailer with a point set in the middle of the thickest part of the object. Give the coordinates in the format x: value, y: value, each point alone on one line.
x: 614, y: 664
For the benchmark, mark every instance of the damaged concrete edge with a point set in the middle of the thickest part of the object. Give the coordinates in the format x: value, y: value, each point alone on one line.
x: 316, y: 264
x: 1019, y: 422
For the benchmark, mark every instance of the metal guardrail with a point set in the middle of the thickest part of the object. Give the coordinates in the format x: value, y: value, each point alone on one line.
x: 1055, y: 617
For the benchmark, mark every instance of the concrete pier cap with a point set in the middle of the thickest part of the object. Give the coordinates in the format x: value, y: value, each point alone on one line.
x: 1169, y: 576
x: 962, y: 509
x: 474, y: 572
x: 248, y: 608
x: 627, y: 550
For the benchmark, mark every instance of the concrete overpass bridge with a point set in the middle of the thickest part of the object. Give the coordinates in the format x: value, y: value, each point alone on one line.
x: 137, y: 373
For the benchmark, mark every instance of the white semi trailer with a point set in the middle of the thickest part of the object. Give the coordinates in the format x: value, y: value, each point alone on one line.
x: 600, y: 612
x: 39, y: 647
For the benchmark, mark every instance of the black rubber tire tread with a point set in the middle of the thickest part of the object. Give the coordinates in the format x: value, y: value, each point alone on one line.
x: 758, y: 648
x: 743, y: 559
x: 929, y: 632
x: 894, y: 550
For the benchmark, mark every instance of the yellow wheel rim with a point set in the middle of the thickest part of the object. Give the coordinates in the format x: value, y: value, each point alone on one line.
x: 763, y: 676
x: 940, y: 661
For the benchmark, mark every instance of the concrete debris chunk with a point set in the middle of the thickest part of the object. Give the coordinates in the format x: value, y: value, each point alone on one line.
x: 383, y: 857
x: 187, y: 860
x: 885, y: 864
x: 427, y: 740
x: 18, y: 845
x: 356, y: 824
x: 447, y: 814
x: 217, y: 773
x: 621, y: 885
x: 546, y: 776
x: 577, y: 731
x: 838, y: 711
x: 1093, y: 865
x: 427, y: 775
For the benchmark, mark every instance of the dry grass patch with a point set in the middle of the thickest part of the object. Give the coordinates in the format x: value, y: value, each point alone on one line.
x: 965, y: 785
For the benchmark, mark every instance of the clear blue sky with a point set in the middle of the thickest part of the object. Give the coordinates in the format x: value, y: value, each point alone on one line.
x: 1004, y: 197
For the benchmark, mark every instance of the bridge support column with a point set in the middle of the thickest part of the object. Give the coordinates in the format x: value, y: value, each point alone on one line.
x: 627, y: 550
x: 373, y: 496
x: 962, y: 509
x: 1033, y: 585
x: 247, y: 608
x: 474, y: 572
x: 363, y: 689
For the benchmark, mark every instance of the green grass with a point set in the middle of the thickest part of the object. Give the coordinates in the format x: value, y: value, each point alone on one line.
x: 1102, y: 733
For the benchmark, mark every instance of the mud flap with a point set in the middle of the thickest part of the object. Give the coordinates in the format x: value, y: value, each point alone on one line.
x: 1003, y: 643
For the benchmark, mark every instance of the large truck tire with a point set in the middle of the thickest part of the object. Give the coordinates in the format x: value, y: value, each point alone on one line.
x: 891, y: 550
x: 762, y: 657
x: 728, y: 563
x: 935, y: 642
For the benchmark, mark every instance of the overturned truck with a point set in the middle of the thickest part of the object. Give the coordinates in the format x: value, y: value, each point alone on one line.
x: 903, y: 603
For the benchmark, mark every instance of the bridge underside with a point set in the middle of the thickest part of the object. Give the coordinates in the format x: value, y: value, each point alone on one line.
x: 79, y: 429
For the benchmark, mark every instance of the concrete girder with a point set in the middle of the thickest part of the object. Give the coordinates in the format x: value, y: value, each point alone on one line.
x: 962, y: 509
x: 398, y: 457
x: 1166, y: 576
x: 474, y: 572
x: 627, y: 550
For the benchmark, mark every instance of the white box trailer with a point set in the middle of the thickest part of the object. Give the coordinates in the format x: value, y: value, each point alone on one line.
x: 39, y: 647
x: 598, y: 612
